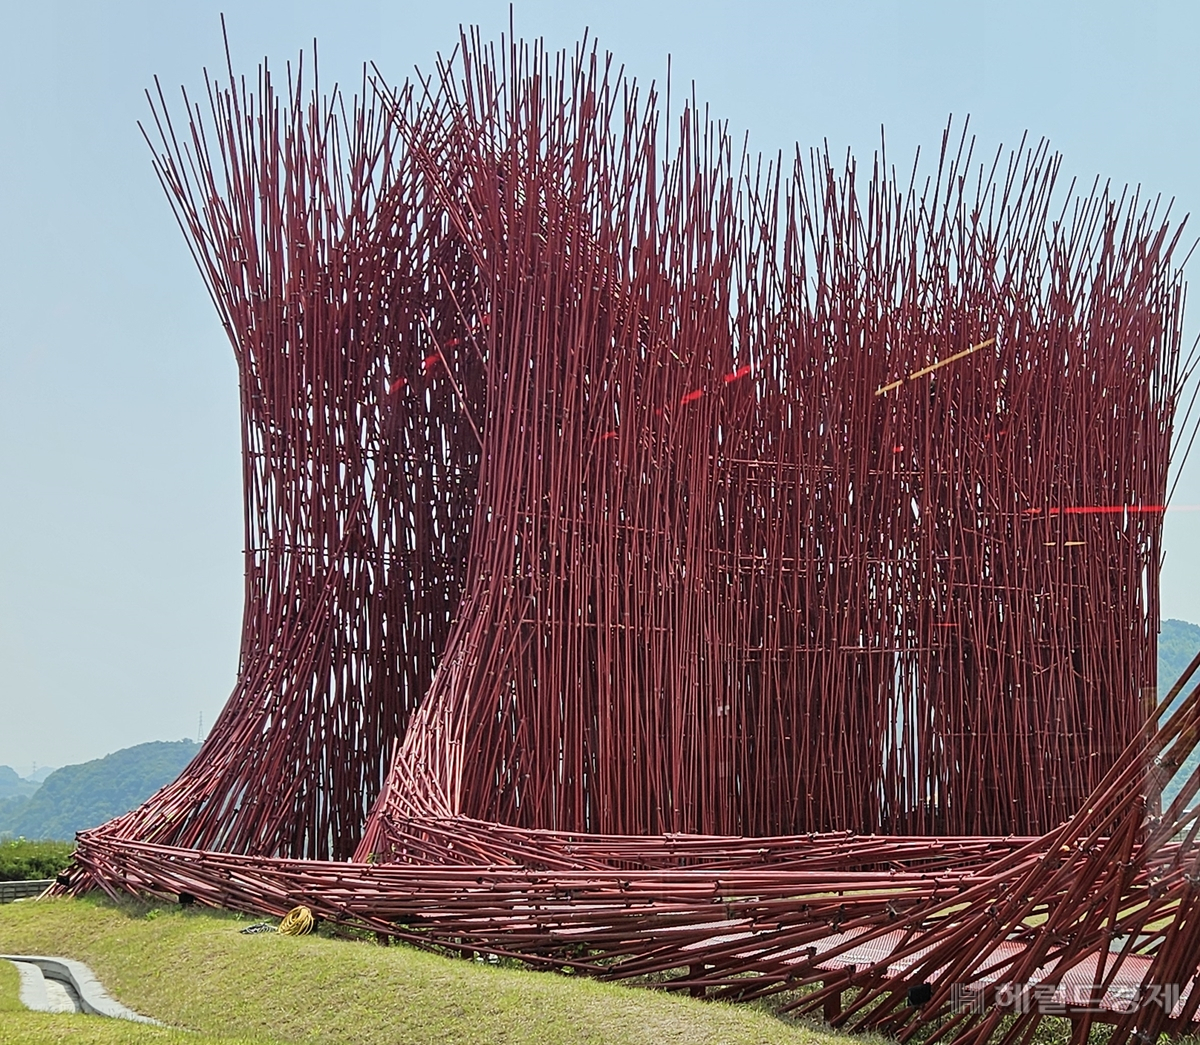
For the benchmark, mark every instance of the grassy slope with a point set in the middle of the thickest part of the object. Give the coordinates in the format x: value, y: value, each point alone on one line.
x: 194, y: 970
x: 19, y: 1026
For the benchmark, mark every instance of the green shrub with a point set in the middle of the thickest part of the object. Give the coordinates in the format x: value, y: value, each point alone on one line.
x: 21, y: 860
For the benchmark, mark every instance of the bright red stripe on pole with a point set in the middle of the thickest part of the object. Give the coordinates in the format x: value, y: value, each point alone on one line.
x: 1100, y: 509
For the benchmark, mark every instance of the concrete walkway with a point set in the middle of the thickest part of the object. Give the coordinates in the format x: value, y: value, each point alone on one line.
x: 63, y: 985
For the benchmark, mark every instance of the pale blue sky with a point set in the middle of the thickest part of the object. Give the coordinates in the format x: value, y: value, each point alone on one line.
x: 120, y: 535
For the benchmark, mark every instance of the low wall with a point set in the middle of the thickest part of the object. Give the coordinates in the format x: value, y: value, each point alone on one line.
x: 10, y: 891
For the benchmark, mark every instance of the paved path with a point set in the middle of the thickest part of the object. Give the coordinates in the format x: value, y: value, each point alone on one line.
x: 63, y: 985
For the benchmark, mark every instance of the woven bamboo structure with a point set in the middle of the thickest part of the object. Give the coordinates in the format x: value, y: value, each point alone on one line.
x: 659, y: 560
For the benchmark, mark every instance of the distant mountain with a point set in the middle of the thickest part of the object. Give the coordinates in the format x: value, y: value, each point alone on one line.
x: 14, y: 792
x: 10, y: 808
x: 1178, y: 643
x: 76, y: 798
x: 13, y: 786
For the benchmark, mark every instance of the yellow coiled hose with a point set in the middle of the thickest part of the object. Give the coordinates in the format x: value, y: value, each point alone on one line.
x: 297, y: 922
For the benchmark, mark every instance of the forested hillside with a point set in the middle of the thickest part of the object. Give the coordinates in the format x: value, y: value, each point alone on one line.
x: 13, y: 786
x: 75, y: 798
x: 1178, y: 643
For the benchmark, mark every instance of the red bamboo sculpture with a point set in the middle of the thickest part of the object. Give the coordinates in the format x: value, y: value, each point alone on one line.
x: 737, y: 572
x: 729, y: 576
x: 329, y: 260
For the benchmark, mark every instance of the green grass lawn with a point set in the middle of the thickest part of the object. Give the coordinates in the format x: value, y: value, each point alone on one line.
x: 195, y: 972
x: 19, y: 1026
